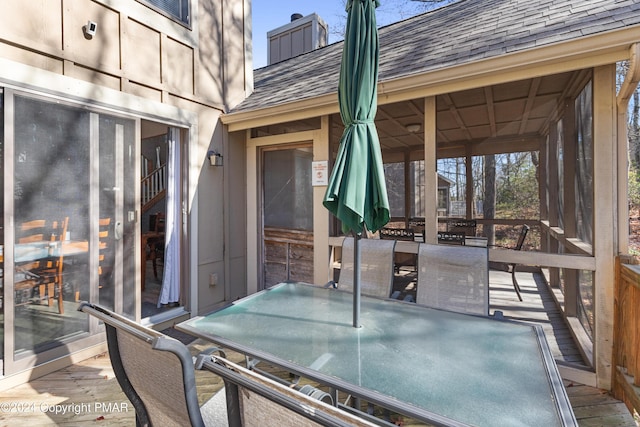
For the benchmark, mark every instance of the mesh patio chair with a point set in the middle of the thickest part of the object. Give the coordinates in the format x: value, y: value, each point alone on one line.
x: 401, y: 259
x: 376, y: 266
x: 454, y: 278
x: 451, y: 237
x: 466, y: 226
x: 156, y: 372
x: 255, y: 400
x: 511, y: 268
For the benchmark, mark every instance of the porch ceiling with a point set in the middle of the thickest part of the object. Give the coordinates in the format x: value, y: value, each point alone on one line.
x: 514, y: 113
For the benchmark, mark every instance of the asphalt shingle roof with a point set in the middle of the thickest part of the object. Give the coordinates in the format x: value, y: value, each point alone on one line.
x: 462, y: 32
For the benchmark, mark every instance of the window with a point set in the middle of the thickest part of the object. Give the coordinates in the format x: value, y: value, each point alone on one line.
x: 177, y: 9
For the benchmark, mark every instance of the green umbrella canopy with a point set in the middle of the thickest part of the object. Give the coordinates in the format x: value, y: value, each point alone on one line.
x: 357, y: 192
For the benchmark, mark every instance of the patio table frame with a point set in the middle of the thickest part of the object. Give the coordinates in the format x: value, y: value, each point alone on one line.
x: 563, y: 408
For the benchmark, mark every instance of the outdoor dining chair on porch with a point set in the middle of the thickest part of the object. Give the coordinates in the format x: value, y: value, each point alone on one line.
x: 454, y: 278
x: 511, y: 268
x: 376, y: 266
x: 156, y: 372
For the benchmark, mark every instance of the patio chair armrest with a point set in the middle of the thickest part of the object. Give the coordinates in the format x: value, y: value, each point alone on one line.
x: 331, y: 284
x: 205, y: 355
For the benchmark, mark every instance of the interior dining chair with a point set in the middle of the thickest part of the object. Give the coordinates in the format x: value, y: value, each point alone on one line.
x: 41, y: 279
x: 105, y: 262
x: 376, y: 266
x: 156, y: 244
x: 454, y: 278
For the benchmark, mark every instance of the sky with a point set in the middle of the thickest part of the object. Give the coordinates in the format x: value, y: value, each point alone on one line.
x: 271, y: 14
x: 268, y: 15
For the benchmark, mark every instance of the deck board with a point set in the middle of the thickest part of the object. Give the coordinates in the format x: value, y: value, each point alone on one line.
x: 92, y: 381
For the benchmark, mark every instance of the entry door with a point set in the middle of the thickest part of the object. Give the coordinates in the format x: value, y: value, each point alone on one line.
x: 287, y: 212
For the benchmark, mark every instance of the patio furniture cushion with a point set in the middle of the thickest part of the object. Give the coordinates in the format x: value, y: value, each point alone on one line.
x: 454, y: 278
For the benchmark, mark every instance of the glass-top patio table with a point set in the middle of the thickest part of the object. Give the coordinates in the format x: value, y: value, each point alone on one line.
x: 436, y: 366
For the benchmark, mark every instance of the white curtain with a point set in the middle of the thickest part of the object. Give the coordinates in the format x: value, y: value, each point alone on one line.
x: 170, y: 291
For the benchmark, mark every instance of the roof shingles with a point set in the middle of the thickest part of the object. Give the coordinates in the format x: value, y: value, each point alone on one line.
x: 462, y: 32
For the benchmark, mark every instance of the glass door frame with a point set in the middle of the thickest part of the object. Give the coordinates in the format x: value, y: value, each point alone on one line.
x: 83, y: 340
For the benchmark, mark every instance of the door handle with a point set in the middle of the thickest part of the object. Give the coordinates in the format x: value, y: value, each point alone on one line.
x: 117, y: 230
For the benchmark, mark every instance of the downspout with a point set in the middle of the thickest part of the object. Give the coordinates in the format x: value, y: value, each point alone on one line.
x: 629, y: 86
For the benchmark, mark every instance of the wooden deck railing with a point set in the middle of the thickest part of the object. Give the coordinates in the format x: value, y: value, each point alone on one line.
x: 626, y: 344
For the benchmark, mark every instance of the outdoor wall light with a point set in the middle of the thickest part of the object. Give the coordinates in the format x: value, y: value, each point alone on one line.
x: 215, y: 158
x: 90, y: 29
x: 413, y: 127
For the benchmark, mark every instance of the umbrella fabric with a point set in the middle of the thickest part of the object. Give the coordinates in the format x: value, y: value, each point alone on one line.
x: 357, y: 192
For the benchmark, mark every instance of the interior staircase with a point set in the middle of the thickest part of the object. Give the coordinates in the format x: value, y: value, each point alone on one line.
x: 153, y: 187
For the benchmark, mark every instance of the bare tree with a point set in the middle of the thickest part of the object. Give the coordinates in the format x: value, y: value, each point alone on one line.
x: 388, y: 13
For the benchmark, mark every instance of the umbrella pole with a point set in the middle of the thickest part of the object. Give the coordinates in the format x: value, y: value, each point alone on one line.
x: 356, y: 279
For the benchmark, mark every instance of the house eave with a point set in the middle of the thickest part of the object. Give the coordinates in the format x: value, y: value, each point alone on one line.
x: 585, y: 52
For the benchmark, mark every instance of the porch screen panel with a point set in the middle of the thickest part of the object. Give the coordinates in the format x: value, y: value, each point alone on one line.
x: 454, y: 170
x: 51, y: 183
x: 394, y: 178
x: 416, y: 183
x: 559, y: 164
x: 586, y: 310
x: 288, y: 201
x: 288, y: 216
x: 584, y: 165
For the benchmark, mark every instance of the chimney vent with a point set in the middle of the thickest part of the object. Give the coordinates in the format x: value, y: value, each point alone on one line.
x: 303, y: 34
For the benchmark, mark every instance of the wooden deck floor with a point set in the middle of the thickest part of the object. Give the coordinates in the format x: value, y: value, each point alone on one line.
x: 87, y: 393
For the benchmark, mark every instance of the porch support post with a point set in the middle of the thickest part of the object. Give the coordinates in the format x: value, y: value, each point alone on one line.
x: 605, y: 203
x: 252, y: 215
x: 543, y: 189
x: 408, y: 188
x: 469, y: 180
x: 430, y: 172
x: 552, y: 189
x: 320, y: 213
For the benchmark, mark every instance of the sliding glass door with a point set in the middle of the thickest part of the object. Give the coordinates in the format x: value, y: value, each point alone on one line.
x: 69, y: 222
